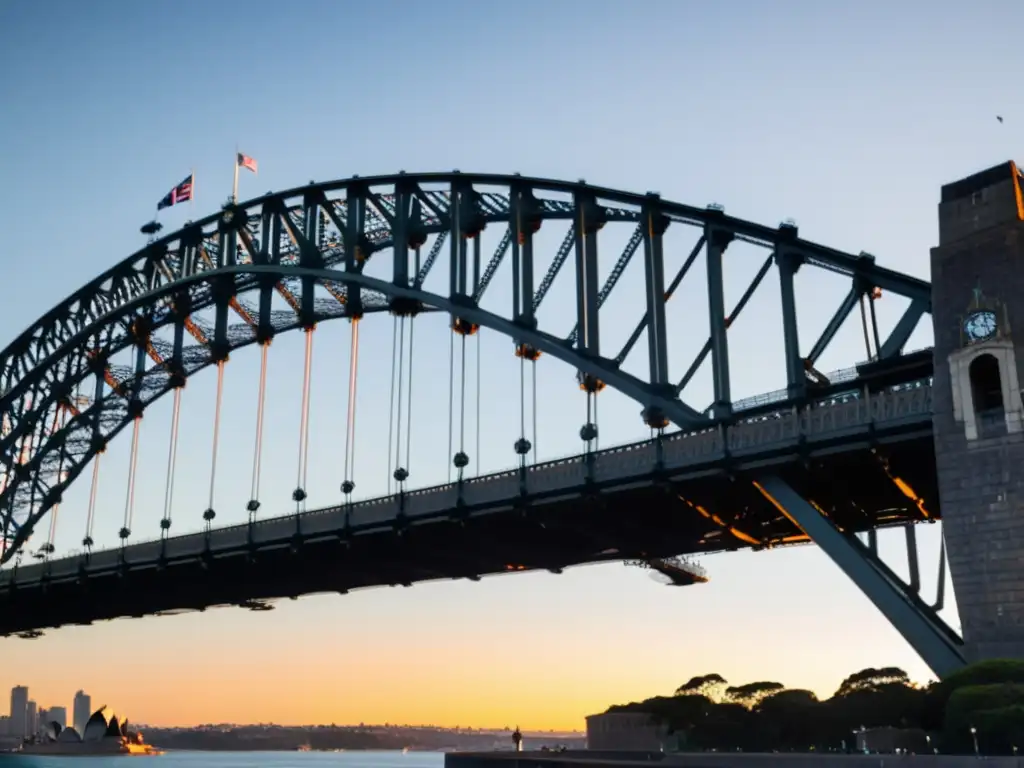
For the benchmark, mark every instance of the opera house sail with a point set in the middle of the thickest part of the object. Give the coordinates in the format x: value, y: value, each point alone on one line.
x: 100, y: 737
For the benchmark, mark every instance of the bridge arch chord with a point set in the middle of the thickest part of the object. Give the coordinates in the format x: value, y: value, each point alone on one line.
x: 323, y: 238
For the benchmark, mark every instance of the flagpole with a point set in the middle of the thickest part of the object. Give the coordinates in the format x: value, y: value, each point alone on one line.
x: 192, y: 197
x: 234, y: 187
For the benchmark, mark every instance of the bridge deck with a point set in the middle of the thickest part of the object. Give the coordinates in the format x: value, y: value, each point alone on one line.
x: 651, y: 499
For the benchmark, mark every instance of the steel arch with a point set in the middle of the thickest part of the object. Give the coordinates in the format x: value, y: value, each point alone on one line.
x: 156, y: 381
x: 275, y: 244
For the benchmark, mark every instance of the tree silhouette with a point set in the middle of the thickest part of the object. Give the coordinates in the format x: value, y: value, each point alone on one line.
x: 765, y: 716
x: 677, y: 713
x: 792, y: 720
x: 712, y: 686
x: 751, y: 694
x: 872, y: 679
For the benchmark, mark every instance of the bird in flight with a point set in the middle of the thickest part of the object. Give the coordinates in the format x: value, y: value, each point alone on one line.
x: 999, y: 118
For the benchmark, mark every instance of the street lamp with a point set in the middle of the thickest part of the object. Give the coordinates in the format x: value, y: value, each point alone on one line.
x: 974, y: 735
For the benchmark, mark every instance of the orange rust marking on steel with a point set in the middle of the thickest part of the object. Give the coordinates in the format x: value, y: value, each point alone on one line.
x: 721, y: 523
x: 195, y: 331
x: 108, y: 375
x: 775, y: 503
x: 233, y: 303
x: 153, y: 354
x: 904, y: 488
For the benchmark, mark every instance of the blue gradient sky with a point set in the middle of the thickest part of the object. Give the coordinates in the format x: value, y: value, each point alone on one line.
x: 845, y: 116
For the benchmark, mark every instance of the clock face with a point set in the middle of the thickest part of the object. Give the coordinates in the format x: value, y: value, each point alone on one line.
x: 980, y: 325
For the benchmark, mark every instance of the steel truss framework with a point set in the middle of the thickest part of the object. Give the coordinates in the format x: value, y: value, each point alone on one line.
x: 320, y: 238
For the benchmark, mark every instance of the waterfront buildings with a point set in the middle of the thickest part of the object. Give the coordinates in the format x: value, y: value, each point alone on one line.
x: 57, y: 715
x: 626, y: 731
x: 19, y: 712
x: 82, y: 710
x: 27, y: 718
x: 100, y: 737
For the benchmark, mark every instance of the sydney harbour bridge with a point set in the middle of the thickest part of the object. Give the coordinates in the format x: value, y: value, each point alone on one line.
x: 826, y: 458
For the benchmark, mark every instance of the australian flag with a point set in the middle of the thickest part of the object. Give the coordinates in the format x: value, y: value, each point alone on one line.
x: 180, y: 194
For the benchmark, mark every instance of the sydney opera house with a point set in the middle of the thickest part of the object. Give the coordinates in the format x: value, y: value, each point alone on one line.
x: 100, y: 737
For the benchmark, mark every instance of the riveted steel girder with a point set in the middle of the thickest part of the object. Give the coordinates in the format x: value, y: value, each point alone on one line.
x: 323, y: 235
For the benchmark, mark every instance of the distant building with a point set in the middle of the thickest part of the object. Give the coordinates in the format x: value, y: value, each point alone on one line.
x: 19, y: 712
x: 82, y: 711
x: 31, y: 718
x: 626, y: 731
x: 5, y: 725
x: 888, y: 740
x: 57, y: 715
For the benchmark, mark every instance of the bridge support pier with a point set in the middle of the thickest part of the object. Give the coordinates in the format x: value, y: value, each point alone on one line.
x: 977, y: 409
x: 935, y: 642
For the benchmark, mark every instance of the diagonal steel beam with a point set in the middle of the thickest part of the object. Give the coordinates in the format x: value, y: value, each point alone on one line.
x: 939, y: 647
x: 493, y: 264
x: 897, y: 340
x: 635, y: 336
x: 843, y: 312
x: 620, y: 267
x: 435, y: 251
x: 556, y: 266
x: 706, y: 349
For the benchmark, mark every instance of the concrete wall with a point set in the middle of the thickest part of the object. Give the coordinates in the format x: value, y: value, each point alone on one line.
x: 981, y: 473
x: 626, y: 731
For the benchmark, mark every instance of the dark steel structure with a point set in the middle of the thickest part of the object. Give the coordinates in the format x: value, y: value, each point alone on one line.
x: 875, y: 469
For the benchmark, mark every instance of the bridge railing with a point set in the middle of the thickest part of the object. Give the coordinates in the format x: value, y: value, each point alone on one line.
x: 843, y: 414
x: 782, y: 395
x: 839, y: 377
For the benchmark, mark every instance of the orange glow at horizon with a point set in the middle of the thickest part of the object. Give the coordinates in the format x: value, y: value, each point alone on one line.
x: 537, y: 650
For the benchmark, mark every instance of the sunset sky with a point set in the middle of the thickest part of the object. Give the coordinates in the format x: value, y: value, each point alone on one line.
x: 847, y: 117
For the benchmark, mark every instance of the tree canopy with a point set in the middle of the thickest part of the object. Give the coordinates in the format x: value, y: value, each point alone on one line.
x: 872, y: 680
x: 751, y: 694
x: 707, y: 712
x: 712, y: 686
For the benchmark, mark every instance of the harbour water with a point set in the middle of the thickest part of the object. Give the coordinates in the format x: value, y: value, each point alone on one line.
x: 237, y: 760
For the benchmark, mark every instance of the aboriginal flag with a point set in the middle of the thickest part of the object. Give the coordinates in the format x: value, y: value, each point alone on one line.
x: 180, y: 194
